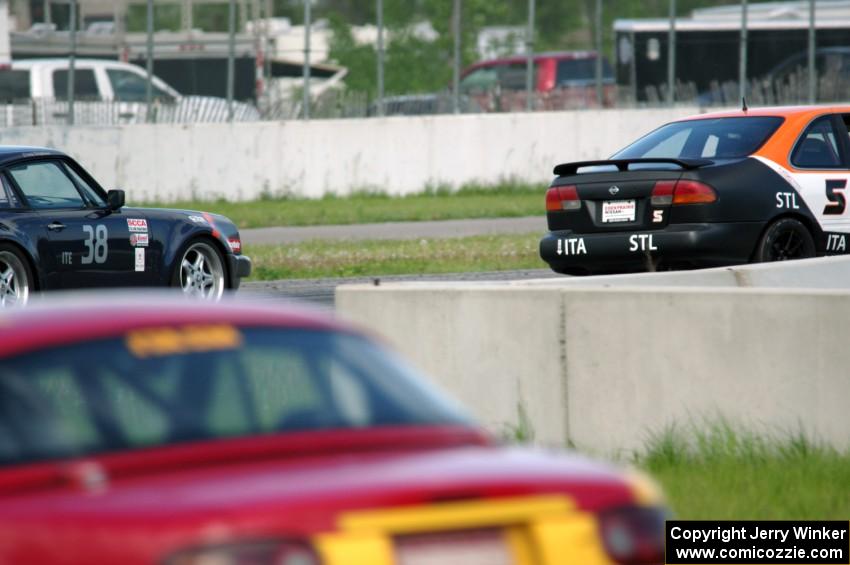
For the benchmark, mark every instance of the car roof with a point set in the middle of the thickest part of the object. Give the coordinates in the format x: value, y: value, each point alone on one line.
x: 10, y: 153
x: 67, y: 318
x: 777, y: 111
x: 64, y: 61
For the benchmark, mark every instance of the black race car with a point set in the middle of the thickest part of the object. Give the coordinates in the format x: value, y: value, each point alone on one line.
x: 711, y: 190
x: 59, y: 229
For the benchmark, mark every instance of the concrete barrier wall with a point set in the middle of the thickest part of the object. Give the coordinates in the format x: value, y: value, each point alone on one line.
x: 397, y: 155
x: 604, y: 368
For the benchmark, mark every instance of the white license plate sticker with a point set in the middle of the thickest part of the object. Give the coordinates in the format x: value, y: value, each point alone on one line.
x: 467, y: 548
x: 618, y: 211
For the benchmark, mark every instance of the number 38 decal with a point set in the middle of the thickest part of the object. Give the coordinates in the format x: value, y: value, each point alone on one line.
x: 96, y: 243
x: 837, y: 202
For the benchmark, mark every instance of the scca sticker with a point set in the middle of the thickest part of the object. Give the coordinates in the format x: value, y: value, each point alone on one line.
x: 198, y: 219
x: 137, y: 225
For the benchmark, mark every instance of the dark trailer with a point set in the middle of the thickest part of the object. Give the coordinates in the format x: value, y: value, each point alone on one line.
x: 708, y: 53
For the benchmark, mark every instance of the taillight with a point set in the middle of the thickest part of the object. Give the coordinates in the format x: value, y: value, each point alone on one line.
x: 662, y: 193
x: 562, y: 198
x: 683, y: 191
x: 633, y: 535
x: 693, y: 192
x: 260, y: 553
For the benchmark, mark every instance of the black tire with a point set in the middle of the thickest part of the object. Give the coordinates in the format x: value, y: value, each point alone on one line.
x: 785, y: 239
x: 16, y: 278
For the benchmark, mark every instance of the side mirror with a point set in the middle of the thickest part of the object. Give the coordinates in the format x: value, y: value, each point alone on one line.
x: 115, y: 199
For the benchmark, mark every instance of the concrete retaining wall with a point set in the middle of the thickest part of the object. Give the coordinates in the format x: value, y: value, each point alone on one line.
x: 398, y: 155
x: 606, y: 367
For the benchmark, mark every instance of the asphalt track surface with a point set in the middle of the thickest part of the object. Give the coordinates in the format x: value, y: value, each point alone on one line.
x: 395, y: 230
x: 321, y: 291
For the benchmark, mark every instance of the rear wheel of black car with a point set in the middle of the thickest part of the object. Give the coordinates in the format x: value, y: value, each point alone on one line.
x: 785, y: 239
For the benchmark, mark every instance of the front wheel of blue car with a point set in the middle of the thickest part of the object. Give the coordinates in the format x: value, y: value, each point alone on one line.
x: 785, y: 239
x: 200, y: 272
x: 16, y: 279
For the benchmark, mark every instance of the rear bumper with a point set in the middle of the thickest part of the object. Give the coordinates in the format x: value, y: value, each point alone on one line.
x: 677, y: 245
x: 240, y: 266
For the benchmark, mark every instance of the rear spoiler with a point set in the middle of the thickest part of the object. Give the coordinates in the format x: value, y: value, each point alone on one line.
x: 566, y: 169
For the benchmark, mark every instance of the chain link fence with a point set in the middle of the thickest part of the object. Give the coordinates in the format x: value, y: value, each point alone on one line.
x: 774, y: 53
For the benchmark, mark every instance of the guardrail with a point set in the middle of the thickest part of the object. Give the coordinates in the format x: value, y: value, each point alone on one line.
x: 605, y: 362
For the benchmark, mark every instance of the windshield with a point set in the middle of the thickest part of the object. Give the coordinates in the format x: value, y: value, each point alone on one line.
x: 720, y: 138
x: 169, y: 385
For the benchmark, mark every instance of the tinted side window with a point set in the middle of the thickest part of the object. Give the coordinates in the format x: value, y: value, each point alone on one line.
x: 513, y: 76
x: 45, y: 185
x: 85, y: 84
x: 90, y: 192
x: 818, y: 148
x: 581, y: 70
x: 128, y: 86
x: 14, y: 85
x: 480, y: 80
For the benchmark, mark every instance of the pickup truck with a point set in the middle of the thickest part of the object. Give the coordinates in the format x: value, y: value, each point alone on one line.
x: 106, y: 92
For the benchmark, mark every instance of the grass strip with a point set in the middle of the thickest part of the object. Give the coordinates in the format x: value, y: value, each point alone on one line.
x: 720, y: 472
x: 316, y: 259
x: 500, y: 201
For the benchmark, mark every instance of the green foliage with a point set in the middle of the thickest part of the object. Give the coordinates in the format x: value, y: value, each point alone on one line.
x: 331, y: 258
x: 721, y: 471
x: 166, y: 17
x: 213, y: 17
x: 369, y: 205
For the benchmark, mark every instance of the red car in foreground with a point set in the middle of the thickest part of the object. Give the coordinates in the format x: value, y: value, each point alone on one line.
x: 149, y: 430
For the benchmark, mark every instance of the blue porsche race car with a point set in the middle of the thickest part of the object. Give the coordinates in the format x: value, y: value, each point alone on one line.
x: 60, y: 230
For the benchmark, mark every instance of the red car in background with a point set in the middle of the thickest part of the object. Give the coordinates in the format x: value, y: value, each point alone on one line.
x: 142, y: 430
x: 563, y: 80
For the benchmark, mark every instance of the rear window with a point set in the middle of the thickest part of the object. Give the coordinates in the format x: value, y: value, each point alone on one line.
x: 583, y: 70
x: 14, y: 85
x: 158, y: 386
x: 720, y: 138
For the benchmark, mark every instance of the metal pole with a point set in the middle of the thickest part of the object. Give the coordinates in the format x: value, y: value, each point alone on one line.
x: 671, y: 56
x: 269, y: 16
x: 742, y: 63
x: 529, y: 61
x: 306, y: 87
x: 149, y: 85
x: 48, y: 17
x: 72, y: 60
x: 456, y: 13
x: 598, y: 32
x: 812, y: 45
x: 187, y: 15
x: 380, y: 14
x: 231, y: 57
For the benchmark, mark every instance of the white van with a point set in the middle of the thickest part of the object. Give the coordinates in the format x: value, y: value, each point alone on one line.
x: 105, y: 92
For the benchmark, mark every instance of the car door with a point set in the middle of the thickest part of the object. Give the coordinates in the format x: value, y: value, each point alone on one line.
x: 821, y: 162
x: 89, y: 244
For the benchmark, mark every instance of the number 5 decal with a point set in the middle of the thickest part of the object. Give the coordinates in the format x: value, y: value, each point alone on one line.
x: 96, y: 243
x: 837, y: 203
